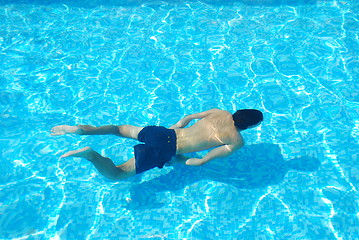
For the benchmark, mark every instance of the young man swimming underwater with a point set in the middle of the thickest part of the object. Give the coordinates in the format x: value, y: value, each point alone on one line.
x: 216, y: 129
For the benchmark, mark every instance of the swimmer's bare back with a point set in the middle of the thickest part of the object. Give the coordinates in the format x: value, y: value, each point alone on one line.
x: 214, y: 129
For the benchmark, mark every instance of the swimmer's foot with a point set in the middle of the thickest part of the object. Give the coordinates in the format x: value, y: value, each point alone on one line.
x: 85, y: 152
x: 65, y: 129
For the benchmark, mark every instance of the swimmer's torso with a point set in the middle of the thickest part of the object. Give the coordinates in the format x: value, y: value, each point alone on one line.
x: 214, y: 130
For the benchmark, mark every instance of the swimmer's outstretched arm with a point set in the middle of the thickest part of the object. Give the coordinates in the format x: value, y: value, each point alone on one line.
x: 219, y: 152
x: 177, y: 159
x: 187, y: 119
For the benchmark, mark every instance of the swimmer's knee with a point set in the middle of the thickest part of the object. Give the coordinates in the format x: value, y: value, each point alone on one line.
x: 128, y: 167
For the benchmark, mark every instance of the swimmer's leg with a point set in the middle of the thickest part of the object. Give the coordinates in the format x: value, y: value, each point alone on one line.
x: 127, y: 131
x: 105, y: 165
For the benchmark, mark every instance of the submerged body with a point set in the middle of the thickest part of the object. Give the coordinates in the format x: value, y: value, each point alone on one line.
x: 216, y: 129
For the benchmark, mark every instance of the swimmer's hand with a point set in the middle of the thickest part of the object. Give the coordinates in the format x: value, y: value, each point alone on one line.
x: 195, y: 162
x: 65, y: 129
x: 178, y: 159
x: 181, y: 123
x: 187, y: 119
x: 181, y: 159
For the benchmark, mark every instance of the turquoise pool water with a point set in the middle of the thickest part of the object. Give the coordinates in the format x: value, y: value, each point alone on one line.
x: 151, y: 63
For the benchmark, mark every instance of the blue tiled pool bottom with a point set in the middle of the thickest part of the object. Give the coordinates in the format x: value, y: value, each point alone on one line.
x: 151, y: 63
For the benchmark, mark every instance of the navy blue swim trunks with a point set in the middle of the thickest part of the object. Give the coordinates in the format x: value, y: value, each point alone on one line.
x: 158, y: 148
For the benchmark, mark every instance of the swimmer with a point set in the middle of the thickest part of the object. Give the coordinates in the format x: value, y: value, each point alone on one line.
x: 217, y: 129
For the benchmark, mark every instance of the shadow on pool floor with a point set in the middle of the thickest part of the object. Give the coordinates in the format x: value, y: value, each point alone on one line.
x: 254, y: 166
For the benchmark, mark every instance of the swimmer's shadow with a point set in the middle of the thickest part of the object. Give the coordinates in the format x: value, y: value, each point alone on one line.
x: 254, y: 166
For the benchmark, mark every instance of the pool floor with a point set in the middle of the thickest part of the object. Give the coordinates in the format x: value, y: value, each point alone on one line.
x: 152, y: 63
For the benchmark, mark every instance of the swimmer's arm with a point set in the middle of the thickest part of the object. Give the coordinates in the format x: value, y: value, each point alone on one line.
x: 179, y: 158
x: 187, y: 119
x: 219, y: 152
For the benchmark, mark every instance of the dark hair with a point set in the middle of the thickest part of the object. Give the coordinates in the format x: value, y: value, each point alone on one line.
x: 246, y: 118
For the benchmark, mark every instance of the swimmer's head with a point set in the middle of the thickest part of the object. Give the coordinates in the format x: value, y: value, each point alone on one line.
x: 247, y: 118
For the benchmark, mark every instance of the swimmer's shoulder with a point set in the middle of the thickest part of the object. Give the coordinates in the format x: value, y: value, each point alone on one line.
x: 236, y: 139
x: 216, y: 112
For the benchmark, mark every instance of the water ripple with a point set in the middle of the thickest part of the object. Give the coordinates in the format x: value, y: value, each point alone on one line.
x: 153, y: 63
